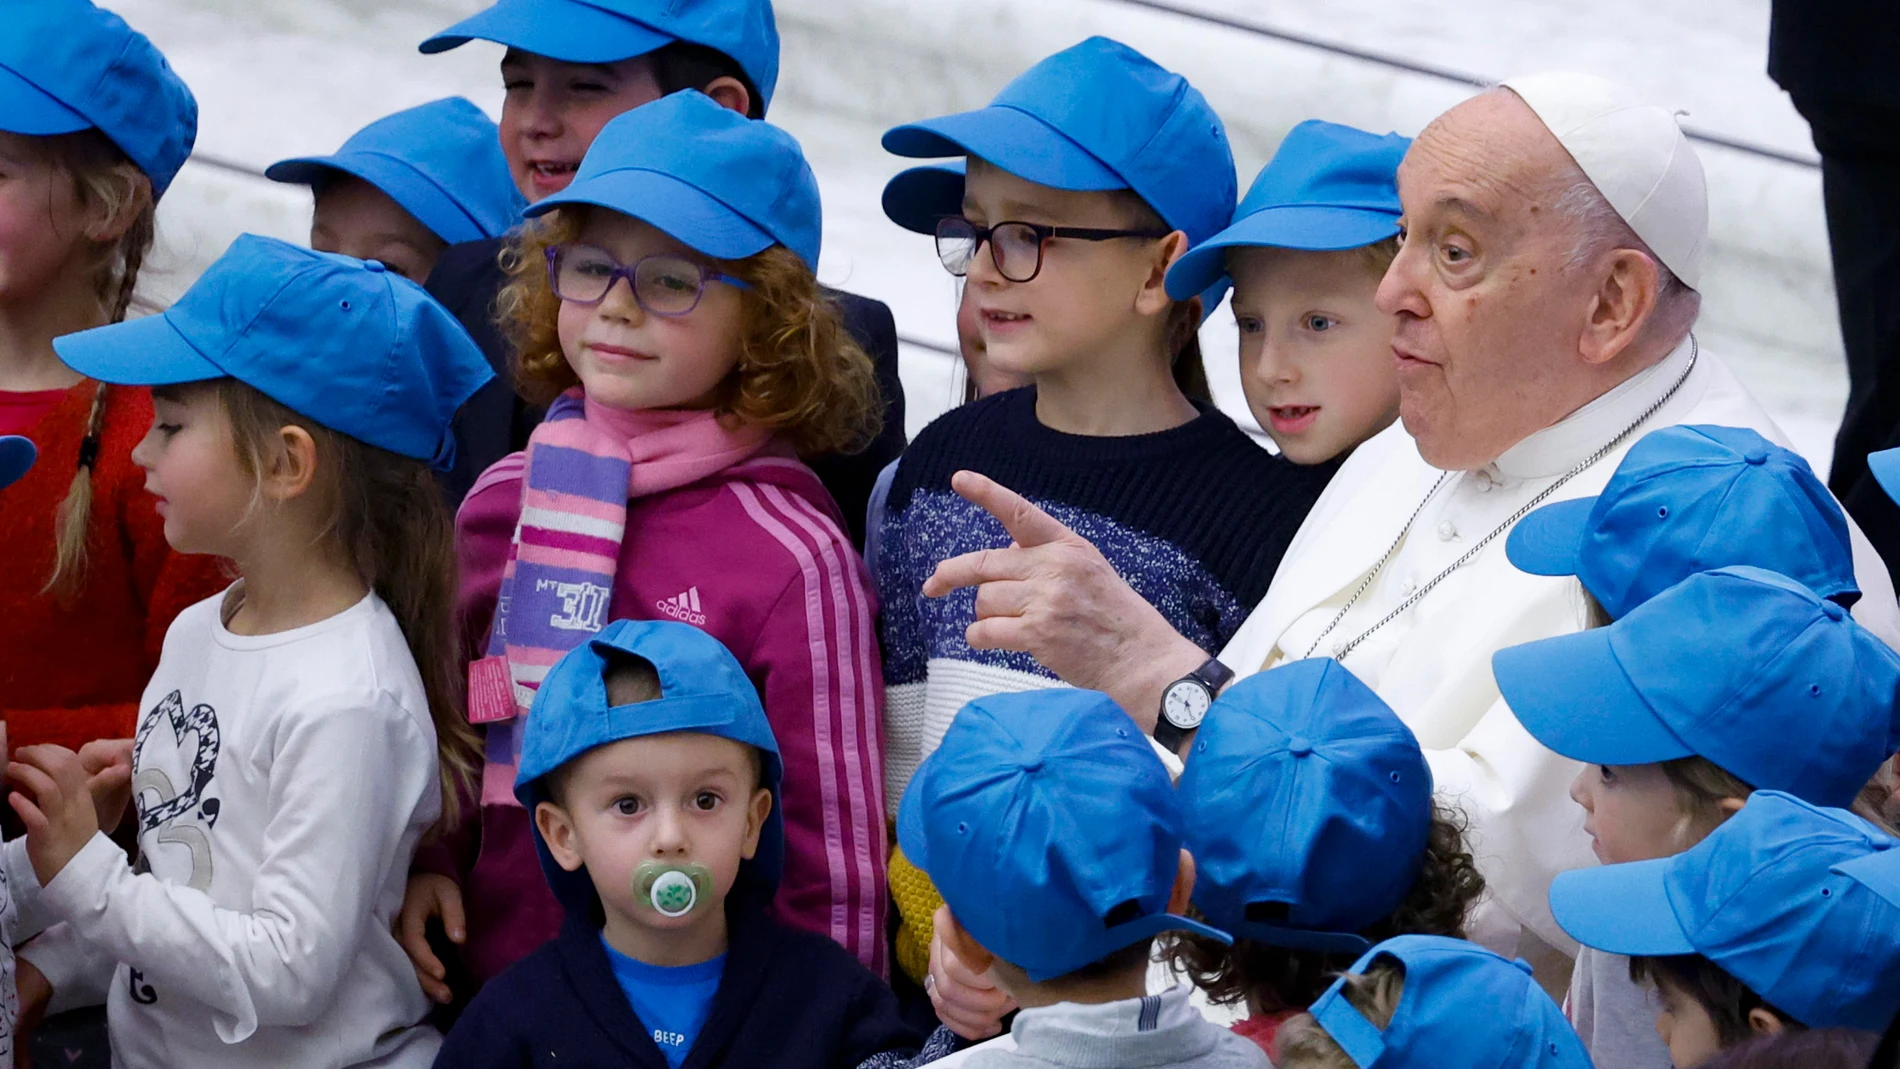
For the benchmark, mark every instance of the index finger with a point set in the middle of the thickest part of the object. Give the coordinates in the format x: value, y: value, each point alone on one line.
x: 977, y: 568
x: 1027, y: 525
x: 101, y: 754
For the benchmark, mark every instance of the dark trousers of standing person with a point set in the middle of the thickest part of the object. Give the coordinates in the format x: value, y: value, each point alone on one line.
x: 1859, y: 143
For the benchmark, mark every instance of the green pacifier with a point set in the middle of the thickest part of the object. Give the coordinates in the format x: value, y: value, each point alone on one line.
x: 672, y: 890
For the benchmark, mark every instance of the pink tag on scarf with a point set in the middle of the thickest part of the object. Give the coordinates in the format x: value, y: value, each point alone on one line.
x: 491, y: 694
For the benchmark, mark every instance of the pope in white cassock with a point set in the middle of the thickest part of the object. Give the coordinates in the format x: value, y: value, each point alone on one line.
x: 1553, y: 242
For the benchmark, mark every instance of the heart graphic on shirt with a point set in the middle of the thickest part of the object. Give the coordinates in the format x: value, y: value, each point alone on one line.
x: 202, y: 723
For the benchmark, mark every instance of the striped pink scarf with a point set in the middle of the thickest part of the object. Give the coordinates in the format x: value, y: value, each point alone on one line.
x: 583, y: 464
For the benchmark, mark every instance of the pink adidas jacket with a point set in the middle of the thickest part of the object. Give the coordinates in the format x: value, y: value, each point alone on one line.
x: 757, y: 556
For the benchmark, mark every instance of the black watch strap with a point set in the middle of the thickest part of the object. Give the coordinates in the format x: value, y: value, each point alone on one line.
x: 1213, y: 675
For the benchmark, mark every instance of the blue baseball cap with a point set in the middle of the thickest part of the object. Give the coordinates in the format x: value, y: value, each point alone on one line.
x: 1460, y: 1005
x: 344, y: 342
x: 1098, y: 116
x: 915, y: 199
x: 703, y: 689
x: 440, y: 162
x: 1741, y: 666
x: 1328, y: 187
x: 608, y: 31
x: 67, y: 66
x: 1351, y: 798
x: 728, y: 186
x: 1793, y: 900
x: 17, y: 454
x: 1050, y: 828
x: 1685, y: 500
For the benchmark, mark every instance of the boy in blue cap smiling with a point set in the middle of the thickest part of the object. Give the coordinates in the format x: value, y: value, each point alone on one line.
x: 653, y: 775
x: 1427, y: 1002
x: 1787, y: 916
x: 1055, y: 835
x: 1087, y: 177
x: 570, y: 68
x: 409, y: 185
x: 1305, y: 252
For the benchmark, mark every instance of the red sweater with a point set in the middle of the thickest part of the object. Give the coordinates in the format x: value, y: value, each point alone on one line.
x: 74, y: 673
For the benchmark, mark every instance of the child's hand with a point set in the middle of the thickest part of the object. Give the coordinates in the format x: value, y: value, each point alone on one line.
x: 59, y: 817
x: 430, y: 895
x: 967, y: 1001
x: 109, y: 764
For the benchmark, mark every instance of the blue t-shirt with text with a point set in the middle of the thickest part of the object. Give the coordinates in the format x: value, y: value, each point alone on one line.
x: 671, y: 1001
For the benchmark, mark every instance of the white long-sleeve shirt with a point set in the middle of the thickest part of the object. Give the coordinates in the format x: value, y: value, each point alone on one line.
x: 282, y: 782
x: 1432, y: 663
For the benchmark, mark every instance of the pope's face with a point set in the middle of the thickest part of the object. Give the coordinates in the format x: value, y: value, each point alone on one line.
x: 1489, y: 310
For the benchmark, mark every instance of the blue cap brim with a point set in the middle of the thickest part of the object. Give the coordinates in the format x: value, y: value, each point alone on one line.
x: 686, y: 212
x: 1620, y: 909
x: 412, y: 192
x: 137, y: 352
x: 16, y: 457
x: 1303, y: 939
x: 1013, y: 140
x: 558, y: 29
x: 1305, y: 227
x: 1549, y: 541
x: 27, y: 109
x: 917, y: 198
x: 1885, y: 466
x: 1573, y: 696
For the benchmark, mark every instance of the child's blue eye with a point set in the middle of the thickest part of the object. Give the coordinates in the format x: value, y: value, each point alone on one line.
x: 1318, y: 324
x: 1250, y: 325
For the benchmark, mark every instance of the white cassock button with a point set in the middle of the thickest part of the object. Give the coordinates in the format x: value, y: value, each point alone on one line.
x: 1446, y: 532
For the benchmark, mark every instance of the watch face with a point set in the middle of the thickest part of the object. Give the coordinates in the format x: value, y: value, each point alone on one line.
x: 1185, y: 704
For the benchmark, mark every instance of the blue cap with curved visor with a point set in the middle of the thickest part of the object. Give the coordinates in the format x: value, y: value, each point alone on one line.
x: 1051, y: 829
x: 728, y: 186
x: 703, y: 689
x: 1741, y: 666
x: 68, y: 65
x: 345, y: 342
x: 1098, y: 116
x: 441, y: 162
x: 1461, y: 1005
x: 915, y: 199
x: 1798, y: 902
x: 608, y: 31
x: 17, y: 454
x: 1351, y: 798
x: 1329, y: 187
x: 1689, y: 499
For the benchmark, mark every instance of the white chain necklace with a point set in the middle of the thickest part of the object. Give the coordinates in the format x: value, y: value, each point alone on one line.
x: 1340, y: 652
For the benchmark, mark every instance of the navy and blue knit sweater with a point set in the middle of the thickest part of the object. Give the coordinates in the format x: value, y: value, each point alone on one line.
x: 1195, y: 518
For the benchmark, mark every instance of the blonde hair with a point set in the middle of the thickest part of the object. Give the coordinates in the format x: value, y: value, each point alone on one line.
x: 799, y: 372
x: 106, y: 183
x: 1374, y: 993
x: 386, y: 515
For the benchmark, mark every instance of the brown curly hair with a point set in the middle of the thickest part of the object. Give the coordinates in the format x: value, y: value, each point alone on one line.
x: 1273, y: 979
x: 799, y: 373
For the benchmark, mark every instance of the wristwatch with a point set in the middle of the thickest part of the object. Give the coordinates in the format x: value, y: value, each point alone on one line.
x: 1184, y: 704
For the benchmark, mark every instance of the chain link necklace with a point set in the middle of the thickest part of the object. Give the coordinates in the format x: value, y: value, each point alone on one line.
x: 1340, y: 652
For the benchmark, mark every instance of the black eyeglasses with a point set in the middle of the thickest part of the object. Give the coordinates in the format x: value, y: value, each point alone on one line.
x: 662, y: 285
x: 1015, y: 248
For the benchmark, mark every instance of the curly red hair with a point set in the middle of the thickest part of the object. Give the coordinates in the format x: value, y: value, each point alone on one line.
x: 799, y: 372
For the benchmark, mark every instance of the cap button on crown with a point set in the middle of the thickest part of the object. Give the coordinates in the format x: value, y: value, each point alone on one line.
x: 1756, y: 456
x: 374, y: 265
x: 1299, y: 745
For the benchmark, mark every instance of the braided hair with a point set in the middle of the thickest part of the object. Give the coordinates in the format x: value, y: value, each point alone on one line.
x: 109, y: 183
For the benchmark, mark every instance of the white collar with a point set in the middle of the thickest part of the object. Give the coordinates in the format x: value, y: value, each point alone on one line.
x: 1557, y: 448
x: 1127, y: 1017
